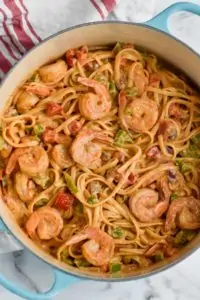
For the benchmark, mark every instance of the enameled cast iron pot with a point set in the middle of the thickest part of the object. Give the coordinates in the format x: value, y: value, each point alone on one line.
x: 152, y: 35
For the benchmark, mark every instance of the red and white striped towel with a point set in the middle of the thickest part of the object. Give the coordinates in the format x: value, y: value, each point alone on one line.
x: 24, y: 23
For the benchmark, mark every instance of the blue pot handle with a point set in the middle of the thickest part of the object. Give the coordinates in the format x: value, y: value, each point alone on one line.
x: 62, y: 280
x: 161, y: 20
x: 2, y: 226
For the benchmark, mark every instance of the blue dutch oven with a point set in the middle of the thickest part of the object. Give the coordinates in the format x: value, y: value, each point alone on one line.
x: 153, y: 35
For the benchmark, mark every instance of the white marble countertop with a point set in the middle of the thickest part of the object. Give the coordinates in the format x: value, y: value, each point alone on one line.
x: 181, y: 282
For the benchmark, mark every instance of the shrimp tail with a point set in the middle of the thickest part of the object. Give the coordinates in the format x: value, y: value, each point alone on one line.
x: 13, y: 160
x: 77, y: 238
x: 88, y: 82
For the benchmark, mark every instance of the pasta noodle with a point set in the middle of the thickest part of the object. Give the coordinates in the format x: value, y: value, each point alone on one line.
x: 99, y: 154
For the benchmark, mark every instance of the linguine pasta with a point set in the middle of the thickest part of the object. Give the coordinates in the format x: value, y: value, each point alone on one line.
x: 99, y: 154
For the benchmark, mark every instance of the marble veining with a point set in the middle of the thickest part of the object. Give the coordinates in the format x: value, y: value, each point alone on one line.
x: 181, y: 282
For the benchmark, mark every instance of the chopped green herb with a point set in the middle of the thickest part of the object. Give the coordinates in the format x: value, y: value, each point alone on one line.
x: 178, y: 163
x: 190, y: 235
x: 2, y: 143
x: 92, y: 199
x: 122, y: 138
x: 69, y: 261
x: 102, y: 79
x: 114, y: 267
x: 42, y: 180
x: 4, y: 181
x: 70, y: 184
x: 142, y: 261
x: 38, y: 129
x: 173, y: 196
x: 80, y: 262
x: 41, y: 202
x: 186, y: 167
x: 64, y: 255
x: 117, y: 48
x: 196, y: 139
x: 191, y: 151
x: 183, y: 166
x: 112, y: 88
x: 131, y: 92
x: 158, y: 256
x: 28, y: 130
x: 33, y: 78
x: 65, y: 258
x: 117, y: 232
x: 79, y: 208
x: 183, y: 237
x: 180, y: 238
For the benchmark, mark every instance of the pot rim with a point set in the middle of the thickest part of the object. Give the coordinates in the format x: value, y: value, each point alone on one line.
x: 96, y: 23
x: 74, y: 273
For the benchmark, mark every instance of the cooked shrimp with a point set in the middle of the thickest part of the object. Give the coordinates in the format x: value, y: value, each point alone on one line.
x: 94, y: 106
x: 60, y: 155
x: 17, y: 208
x: 46, y: 222
x: 99, y: 249
x: 54, y: 72
x: 153, y: 249
x: 14, y: 158
x: 139, y: 115
x: 85, y: 151
x: 185, y: 212
x: 39, y: 89
x: 26, y: 101
x: 24, y: 186
x: 167, y: 249
x: 148, y: 205
x: 32, y: 160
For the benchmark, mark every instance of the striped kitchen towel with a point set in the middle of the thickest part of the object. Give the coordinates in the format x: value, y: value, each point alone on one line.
x: 24, y: 23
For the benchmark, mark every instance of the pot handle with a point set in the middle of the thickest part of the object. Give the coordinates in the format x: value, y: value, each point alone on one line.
x: 161, y: 20
x: 2, y: 226
x: 62, y: 280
